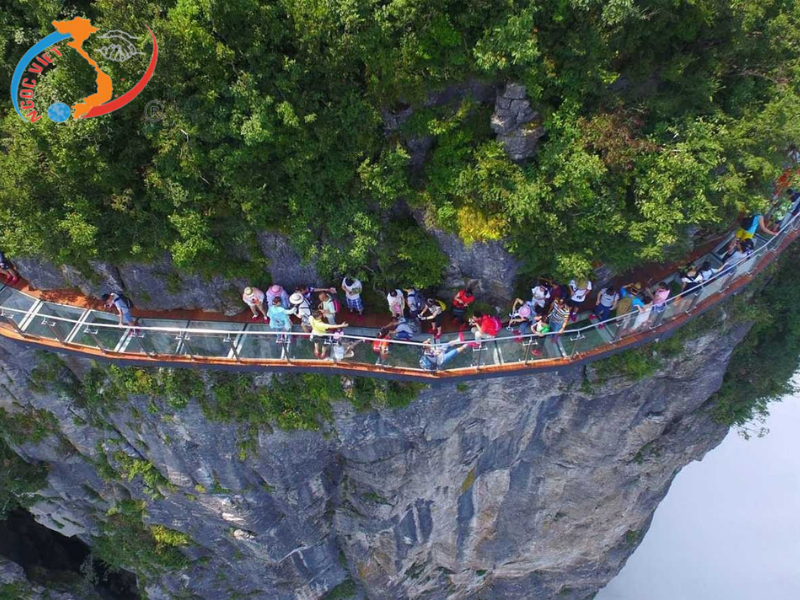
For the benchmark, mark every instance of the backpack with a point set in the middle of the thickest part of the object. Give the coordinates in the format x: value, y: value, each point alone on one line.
x: 427, y: 363
x: 128, y: 302
x: 496, y: 325
x: 414, y: 300
x: 337, y: 306
x: 747, y: 222
x: 441, y: 304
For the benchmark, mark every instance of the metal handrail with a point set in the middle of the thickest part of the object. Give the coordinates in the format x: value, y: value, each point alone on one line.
x: 726, y: 273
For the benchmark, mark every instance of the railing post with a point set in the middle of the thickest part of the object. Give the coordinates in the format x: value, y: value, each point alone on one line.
x: 140, y: 340
x: 232, y: 341
x: 14, y: 324
x: 54, y: 329
x: 184, y: 337
x: 92, y: 333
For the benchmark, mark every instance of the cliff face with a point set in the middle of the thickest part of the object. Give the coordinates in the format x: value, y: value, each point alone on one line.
x: 525, y: 487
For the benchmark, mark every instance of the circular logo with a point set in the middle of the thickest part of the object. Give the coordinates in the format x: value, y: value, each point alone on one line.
x: 154, y: 111
x: 58, y: 112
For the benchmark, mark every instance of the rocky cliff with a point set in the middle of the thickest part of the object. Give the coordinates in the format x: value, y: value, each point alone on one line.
x: 524, y: 487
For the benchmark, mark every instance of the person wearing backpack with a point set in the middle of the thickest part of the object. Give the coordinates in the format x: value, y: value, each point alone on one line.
x: 397, y: 302
x: 436, y: 356
x: 302, y: 307
x: 123, y: 306
x: 749, y: 225
x: 433, y: 311
x: 461, y: 302
x: 7, y: 269
x: 414, y: 303
x: 485, y: 326
x: 327, y: 304
x: 352, y: 293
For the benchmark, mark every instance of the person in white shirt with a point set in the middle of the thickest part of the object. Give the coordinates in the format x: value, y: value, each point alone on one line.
x: 541, y: 294
x: 254, y: 298
x: 579, y: 289
x: 397, y: 302
x: 352, y: 291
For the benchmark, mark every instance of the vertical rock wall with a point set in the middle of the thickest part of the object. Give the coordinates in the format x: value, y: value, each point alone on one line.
x: 534, y: 486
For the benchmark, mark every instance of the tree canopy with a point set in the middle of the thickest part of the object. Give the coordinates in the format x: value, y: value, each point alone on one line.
x: 660, y: 115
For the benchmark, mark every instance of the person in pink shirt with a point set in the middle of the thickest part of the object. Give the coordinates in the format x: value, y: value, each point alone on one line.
x: 276, y: 291
x: 254, y: 298
x: 660, y: 300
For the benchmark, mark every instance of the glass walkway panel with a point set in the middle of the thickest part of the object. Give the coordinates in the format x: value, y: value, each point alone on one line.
x: 161, y: 342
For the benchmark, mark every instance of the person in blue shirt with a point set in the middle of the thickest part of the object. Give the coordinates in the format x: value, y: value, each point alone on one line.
x: 279, y: 318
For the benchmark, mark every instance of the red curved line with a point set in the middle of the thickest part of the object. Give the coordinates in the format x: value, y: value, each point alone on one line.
x: 131, y: 94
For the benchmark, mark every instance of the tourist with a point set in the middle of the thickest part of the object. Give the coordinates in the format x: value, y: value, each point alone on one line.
x: 308, y: 291
x: 433, y: 311
x: 414, y: 303
x: 786, y: 208
x: 749, y: 225
x: 397, y: 303
x: 691, y: 286
x: 254, y: 298
x: 319, y: 330
x: 641, y: 306
x: 737, y: 252
x: 7, y: 269
x: 403, y: 330
x: 485, y: 326
x: 461, y: 302
x: 540, y: 329
x: 627, y: 293
x: 352, y: 292
x: 123, y: 306
x: 302, y: 307
x: 660, y: 300
x: 707, y: 272
x: 380, y: 344
x: 277, y: 291
x: 607, y: 301
x: 327, y: 304
x: 558, y: 317
x: 436, y: 356
x: 579, y: 289
x: 279, y: 319
x: 522, y: 313
x: 540, y: 296
x: 341, y: 350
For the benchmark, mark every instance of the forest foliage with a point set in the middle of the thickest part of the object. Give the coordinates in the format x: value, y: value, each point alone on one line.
x: 661, y: 115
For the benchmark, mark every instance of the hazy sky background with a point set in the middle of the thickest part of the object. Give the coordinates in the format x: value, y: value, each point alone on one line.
x: 729, y: 528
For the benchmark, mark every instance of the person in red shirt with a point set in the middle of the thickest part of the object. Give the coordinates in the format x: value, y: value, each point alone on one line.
x: 461, y: 302
x: 485, y: 326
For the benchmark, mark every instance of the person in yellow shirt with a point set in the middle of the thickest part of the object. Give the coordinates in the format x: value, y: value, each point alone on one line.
x: 319, y: 330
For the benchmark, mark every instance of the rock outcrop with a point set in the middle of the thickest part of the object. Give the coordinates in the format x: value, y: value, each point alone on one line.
x: 516, y: 124
x: 524, y: 487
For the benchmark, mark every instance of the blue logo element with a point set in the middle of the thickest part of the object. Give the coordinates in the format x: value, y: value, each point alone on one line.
x: 58, y: 112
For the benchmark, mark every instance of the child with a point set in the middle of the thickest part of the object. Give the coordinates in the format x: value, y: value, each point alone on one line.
x: 397, y: 303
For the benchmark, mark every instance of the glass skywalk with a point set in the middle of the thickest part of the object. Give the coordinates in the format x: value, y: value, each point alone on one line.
x: 214, y: 343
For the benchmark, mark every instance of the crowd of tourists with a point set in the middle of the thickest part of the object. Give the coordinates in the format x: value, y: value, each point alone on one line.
x: 549, y: 309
